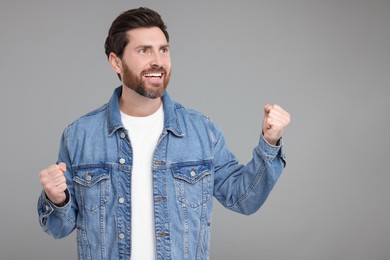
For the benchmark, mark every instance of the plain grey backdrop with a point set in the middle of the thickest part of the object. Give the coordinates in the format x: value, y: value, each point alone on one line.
x: 326, y: 62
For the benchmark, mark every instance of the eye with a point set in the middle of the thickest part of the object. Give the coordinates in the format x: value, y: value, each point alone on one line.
x: 144, y: 50
x: 164, y: 50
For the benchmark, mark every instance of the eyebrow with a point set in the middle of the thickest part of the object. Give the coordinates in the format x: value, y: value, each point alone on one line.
x: 150, y: 46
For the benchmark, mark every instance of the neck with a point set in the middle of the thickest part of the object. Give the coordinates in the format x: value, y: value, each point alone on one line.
x: 133, y: 104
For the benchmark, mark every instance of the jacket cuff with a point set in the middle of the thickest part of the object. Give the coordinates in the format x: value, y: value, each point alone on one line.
x: 47, y: 207
x: 271, y: 151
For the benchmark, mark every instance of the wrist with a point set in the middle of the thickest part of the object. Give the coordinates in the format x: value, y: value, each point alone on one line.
x: 61, y: 203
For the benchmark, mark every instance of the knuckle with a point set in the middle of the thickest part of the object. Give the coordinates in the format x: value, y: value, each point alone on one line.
x: 43, y: 173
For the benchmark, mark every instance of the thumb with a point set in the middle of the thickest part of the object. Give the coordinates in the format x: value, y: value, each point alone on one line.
x: 267, y: 109
x: 266, y: 122
x: 62, y: 166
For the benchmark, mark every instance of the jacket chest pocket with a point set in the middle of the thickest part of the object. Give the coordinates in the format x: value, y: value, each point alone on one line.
x: 193, y: 184
x: 92, y: 187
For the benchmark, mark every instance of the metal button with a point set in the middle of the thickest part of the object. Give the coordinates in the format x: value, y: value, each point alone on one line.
x: 193, y: 173
x: 122, y: 135
x: 121, y: 200
x: 122, y: 160
x: 88, y: 177
x: 121, y: 236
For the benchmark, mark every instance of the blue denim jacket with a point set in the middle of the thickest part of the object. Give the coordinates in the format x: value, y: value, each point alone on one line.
x: 191, y: 164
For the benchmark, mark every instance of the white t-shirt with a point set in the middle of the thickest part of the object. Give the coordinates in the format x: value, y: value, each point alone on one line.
x: 144, y: 133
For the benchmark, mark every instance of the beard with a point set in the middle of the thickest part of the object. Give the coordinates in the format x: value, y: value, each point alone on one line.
x: 139, y: 85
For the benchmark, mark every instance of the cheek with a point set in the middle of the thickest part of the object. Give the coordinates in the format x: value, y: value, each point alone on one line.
x: 136, y: 64
x: 166, y: 60
x: 167, y: 64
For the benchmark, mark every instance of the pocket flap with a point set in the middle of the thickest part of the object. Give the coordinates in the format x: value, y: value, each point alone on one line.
x: 192, y: 173
x: 90, y: 176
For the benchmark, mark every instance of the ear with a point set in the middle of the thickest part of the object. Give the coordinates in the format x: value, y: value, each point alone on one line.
x: 115, y: 62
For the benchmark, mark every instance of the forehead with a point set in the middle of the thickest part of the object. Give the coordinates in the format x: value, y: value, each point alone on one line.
x: 146, y: 36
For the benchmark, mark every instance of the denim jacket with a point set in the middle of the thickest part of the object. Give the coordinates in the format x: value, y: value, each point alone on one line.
x: 191, y: 164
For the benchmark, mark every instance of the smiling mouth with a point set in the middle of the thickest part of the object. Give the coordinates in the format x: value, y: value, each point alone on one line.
x: 153, y: 75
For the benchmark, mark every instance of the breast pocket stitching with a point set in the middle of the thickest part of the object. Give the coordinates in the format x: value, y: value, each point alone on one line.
x: 92, y: 187
x: 193, y: 184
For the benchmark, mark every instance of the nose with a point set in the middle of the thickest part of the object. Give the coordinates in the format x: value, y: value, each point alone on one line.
x: 156, y: 60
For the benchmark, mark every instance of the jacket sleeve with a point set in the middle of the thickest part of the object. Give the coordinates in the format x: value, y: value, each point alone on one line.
x: 244, y: 188
x: 59, y: 221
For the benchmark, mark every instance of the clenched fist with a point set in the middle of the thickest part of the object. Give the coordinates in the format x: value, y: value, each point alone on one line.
x: 53, y: 182
x: 275, y: 121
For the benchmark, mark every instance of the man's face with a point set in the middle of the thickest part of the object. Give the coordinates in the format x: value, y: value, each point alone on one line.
x: 146, y: 62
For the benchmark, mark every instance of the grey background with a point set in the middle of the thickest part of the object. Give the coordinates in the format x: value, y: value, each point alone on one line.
x: 326, y: 62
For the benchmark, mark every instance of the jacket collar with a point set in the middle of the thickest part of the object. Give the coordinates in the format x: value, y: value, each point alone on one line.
x: 171, y: 120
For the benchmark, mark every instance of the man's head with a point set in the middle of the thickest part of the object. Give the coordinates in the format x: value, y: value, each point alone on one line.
x: 138, y: 51
x: 132, y: 19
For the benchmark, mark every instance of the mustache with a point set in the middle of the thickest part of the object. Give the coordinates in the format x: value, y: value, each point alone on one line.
x: 155, y: 70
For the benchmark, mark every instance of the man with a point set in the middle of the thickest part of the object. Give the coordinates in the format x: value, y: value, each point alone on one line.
x: 136, y: 177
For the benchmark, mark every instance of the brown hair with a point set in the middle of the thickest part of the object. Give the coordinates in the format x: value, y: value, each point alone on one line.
x: 134, y: 18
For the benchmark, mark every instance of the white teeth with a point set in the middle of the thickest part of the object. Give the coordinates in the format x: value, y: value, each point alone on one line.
x: 153, y: 75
